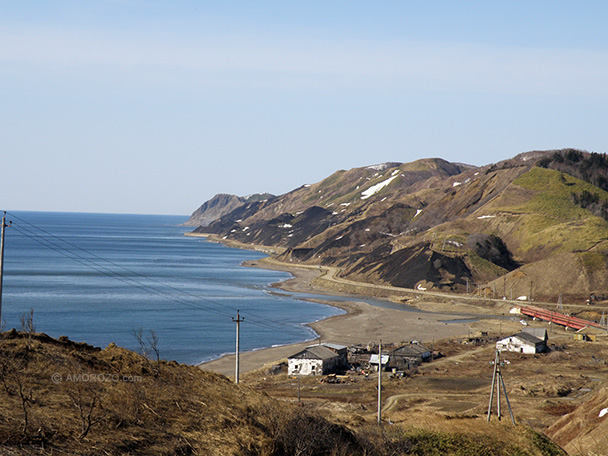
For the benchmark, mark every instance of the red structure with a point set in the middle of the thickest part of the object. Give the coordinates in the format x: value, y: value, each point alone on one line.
x: 559, y: 318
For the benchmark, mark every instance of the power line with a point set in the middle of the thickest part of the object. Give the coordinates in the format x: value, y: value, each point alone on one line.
x: 55, y: 244
x: 102, y: 269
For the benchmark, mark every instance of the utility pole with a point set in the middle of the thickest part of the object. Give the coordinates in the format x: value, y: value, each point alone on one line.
x: 4, y: 225
x: 380, y: 383
x: 238, y: 321
x: 531, y: 291
x: 497, y: 381
x: 299, y: 396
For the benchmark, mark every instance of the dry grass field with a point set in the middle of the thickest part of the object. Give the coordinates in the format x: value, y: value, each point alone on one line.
x: 451, y: 394
x: 59, y: 397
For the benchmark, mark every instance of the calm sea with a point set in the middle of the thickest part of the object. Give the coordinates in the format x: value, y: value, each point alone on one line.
x: 97, y: 278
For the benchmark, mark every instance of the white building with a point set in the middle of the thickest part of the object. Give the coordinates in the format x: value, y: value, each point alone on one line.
x: 373, y: 361
x: 522, y: 343
x: 316, y: 360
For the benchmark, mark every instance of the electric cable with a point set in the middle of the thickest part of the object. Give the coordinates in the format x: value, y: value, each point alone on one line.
x: 105, y: 270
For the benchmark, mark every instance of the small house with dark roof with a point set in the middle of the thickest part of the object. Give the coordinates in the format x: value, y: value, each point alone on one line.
x: 317, y: 360
x: 523, y: 342
x: 409, y: 355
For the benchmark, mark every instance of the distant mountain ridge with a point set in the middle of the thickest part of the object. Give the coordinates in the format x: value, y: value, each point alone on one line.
x: 220, y: 205
x: 533, y: 224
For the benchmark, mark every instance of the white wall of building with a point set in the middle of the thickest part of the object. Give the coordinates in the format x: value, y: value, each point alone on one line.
x: 514, y: 344
x: 305, y: 367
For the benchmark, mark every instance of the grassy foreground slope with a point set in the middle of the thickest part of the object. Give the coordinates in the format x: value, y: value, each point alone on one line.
x: 61, y: 397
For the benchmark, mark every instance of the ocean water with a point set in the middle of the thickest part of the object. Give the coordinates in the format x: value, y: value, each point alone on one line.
x: 97, y: 278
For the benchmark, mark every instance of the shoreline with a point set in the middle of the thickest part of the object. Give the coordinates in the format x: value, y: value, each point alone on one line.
x: 362, y: 323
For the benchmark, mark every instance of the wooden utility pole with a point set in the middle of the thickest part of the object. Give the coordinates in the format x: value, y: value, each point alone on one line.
x: 299, y: 394
x: 4, y: 225
x: 380, y: 383
x: 531, y: 291
x: 238, y: 321
x: 497, y: 381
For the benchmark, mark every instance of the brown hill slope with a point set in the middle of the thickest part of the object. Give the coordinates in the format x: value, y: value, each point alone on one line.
x: 584, y: 431
x: 220, y: 205
x: 439, y: 225
x: 61, y: 397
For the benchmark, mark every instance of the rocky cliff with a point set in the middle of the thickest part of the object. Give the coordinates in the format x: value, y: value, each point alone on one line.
x: 220, y: 205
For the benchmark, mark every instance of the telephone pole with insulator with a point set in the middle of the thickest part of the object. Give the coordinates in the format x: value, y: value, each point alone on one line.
x: 4, y: 225
x: 238, y: 321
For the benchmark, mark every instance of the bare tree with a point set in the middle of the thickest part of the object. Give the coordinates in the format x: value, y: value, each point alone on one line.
x: 88, y: 403
x: 147, y: 345
x: 27, y: 322
x: 12, y: 373
x: 153, y: 343
x: 143, y: 351
x: 27, y: 326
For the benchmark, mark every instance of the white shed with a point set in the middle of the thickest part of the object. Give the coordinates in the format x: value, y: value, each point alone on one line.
x: 373, y: 361
x: 314, y: 360
x: 521, y: 343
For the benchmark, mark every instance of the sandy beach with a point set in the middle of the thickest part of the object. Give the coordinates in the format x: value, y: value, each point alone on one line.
x: 362, y: 323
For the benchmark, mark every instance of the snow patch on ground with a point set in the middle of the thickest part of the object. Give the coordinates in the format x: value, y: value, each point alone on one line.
x: 378, y: 167
x: 376, y: 188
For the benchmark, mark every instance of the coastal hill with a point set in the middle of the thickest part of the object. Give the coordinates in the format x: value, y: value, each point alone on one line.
x: 220, y: 205
x: 533, y: 225
x: 62, y: 397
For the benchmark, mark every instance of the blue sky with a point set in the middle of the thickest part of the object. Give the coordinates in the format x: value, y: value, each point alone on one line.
x: 136, y: 106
